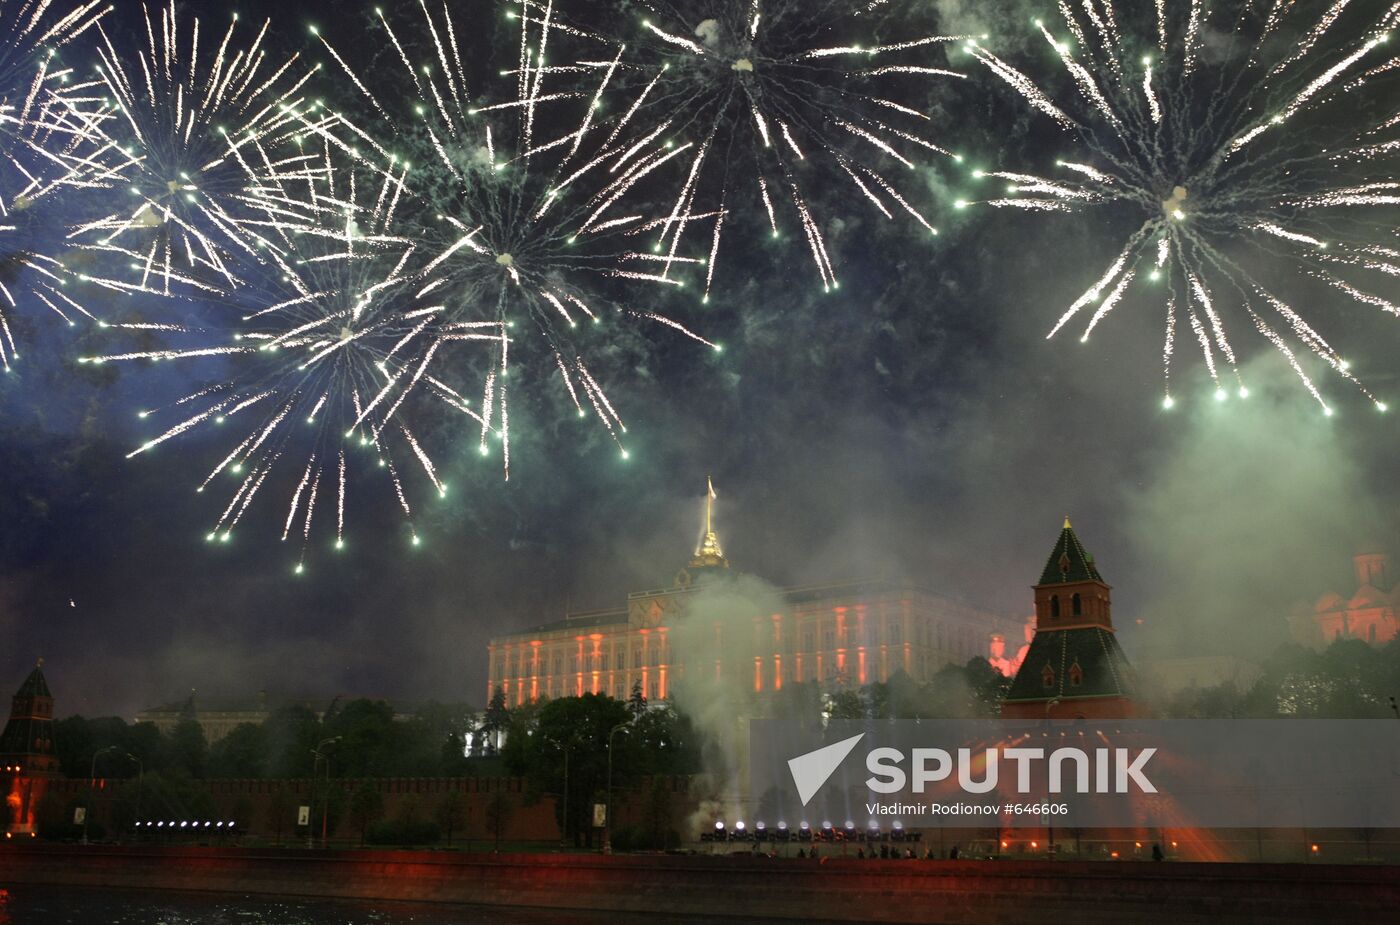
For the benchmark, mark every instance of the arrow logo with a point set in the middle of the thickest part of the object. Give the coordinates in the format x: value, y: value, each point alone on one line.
x: 812, y: 770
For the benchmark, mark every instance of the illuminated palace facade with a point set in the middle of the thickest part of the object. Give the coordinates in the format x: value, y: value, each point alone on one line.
x: 843, y: 633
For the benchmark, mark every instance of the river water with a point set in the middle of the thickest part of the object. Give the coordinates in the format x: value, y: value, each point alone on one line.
x: 48, y: 905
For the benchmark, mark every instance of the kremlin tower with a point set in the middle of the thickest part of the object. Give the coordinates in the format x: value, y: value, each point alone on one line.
x: 27, y: 757
x: 1074, y: 667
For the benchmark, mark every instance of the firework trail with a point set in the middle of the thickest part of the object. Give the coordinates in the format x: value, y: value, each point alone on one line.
x: 325, y: 364
x: 778, y: 96
x: 519, y: 221
x: 47, y: 133
x: 199, y: 119
x: 1238, y: 168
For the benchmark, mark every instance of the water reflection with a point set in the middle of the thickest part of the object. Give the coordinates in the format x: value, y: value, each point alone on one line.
x: 54, y: 905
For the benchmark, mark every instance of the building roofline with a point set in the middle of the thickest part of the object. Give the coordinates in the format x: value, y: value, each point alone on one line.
x: 585, y: 619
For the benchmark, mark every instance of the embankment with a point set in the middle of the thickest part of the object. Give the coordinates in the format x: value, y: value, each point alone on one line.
x: 833, y: 889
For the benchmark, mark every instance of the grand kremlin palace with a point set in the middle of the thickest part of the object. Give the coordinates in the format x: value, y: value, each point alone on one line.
x: 844, y: 633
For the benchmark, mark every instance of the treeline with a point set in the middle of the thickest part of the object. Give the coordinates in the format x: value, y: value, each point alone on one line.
x: 368, y: 741
x: 1350, y: 679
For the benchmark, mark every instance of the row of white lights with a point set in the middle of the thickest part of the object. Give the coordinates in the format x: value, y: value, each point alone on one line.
x: 182, y: 824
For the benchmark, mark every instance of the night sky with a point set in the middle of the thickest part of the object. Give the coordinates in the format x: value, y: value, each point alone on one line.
x: 916, y: 423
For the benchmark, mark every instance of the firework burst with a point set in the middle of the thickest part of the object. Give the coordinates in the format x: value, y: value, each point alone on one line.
x: 200, y: 120
x: 45, y: 138
x: 1246, y: 146
x: 520, y: 222
x: 325, y: 364
x: 777, y: 97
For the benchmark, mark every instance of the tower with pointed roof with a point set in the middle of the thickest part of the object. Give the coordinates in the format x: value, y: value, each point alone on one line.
x: 27, y: 756
x: 709, y: 558
x: 1074, y: 667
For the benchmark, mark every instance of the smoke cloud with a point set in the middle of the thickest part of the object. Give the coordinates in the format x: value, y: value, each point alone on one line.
x: 723, y: 629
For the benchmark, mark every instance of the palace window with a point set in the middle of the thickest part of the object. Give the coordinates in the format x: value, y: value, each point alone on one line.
x: 1047, y: 677
x: 1054, y: 606
x: 1076, y: 607
x: 1076, y: 674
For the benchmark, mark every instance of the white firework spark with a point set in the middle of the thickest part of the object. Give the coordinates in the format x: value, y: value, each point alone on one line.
x: 200, y: 119
x: 780, y: 96
x: 47, y: 135
x: 1258, y: 162
x: 326, y: 364
x: 520, y: 225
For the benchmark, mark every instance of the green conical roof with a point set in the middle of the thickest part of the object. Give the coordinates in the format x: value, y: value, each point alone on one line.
x: 1068, y: 561
x: 35, y: 685
x: 1049, y: 668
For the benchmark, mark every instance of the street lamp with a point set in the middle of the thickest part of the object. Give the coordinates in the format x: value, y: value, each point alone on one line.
x: 326, y: 793
x: 140, y: 779
x: 607, y: 817
x: 92, y: 788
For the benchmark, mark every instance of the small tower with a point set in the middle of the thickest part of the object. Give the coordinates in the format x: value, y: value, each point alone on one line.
x: 27, y: 758
x: 1074, y: 666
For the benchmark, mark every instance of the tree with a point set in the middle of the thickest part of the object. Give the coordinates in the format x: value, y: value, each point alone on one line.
x: 566, y: 754
x: 451, y: 813
x: 967, y: 691
x: 637, y: 700
x: 189, y: 750
x: 445, y: 727
x: 369, y: 740
x: 241, y: 753
x: 494, y: 722
x: 366, y: 808
x: 989, y: 687
x: 74, y: 744
x: 661, y: 741
x: 291, y: 733
x: 846, y: 704
x: 77, y: 739
x: 454, y: 755
x: 145, y: 742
